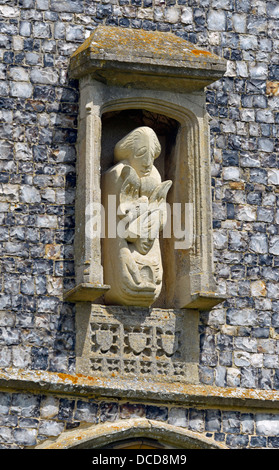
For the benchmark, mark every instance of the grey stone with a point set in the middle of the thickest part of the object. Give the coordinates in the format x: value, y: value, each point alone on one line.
x: 25, y: 437
x: 21, y: 89
x: 41, y: 30
x: 30, y: 194
x: 231, y: 421
x: 186, y: 15
x: 213, y: 420
x: 265, y: 116
x: 50, y: 428
x: 46, y: 77
x: 49, y: 407
x: 237, y: 441
x: 74, y: 33
x: 25, y: 405
x: 5, y: 403
x: 248, y: 377
x: 274, y: 245
x: 21, y: 357
x: 239, y: 22
x: 86, y: 411
x: 196, y: 420
x: 246, y: 344
x: 207, y: 374
x: 247, y: 423
x: 42, y: 4
x: 59, y: 30
x: 241, y: 317
x: 110, y: 412
x: 25, y: 28
x: 273, y: 176
x: 248, y: 42
x: 6, y: 434
x: 258, y: 442
x: 216, y: 20
x: 221, y: 374
x: 259, y: 243
x: 242, y: 359
x: 68, y: 6
x: 178, y: 417
x: 5, y: 357
x: 267, y: 424
x: 266, y: 145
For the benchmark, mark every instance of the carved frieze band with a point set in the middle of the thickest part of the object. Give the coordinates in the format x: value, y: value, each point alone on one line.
x: 151, y: 349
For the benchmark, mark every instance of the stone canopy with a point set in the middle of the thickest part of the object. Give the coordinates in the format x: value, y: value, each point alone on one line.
x: 144, y: 59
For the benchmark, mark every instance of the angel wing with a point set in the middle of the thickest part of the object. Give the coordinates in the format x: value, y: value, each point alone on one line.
x: 157, y: 201
x: 130, y: 189
x: 159, y: 194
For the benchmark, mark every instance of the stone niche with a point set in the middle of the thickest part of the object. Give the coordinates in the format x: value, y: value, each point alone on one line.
x: 130, y: 79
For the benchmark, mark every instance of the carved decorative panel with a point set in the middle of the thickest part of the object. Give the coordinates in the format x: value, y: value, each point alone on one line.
x: 140, y: 343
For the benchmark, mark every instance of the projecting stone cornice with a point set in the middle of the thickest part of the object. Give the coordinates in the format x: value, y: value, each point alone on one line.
x: 145, y: 59
x: 135, y: 390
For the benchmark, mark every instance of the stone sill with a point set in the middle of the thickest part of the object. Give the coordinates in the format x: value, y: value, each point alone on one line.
x: 85, y: 292
x: 204, y: 301
x: 93, y: 387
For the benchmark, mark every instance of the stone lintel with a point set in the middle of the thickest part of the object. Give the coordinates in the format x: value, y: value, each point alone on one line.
x: 85, y: 292
x: 204, y: 301
x: 145, y: 59
x: 184, y: 394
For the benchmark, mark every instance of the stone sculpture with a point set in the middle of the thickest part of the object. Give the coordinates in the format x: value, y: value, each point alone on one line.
x: 132, y: 258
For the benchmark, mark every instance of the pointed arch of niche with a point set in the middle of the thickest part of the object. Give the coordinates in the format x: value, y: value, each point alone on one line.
x: 125, y: 433
x: 182, y: 140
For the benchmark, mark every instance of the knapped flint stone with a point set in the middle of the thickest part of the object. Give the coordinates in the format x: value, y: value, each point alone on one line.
x: 131, y: 410
x: 66, y: 409
x: 156, y: 412
x: 196, y: 420
x: 109, y: 412
x: 50, y: 428
x: 25, y: 437
x: 213, y: 420
x: 237, y: 441
x: 178, y: 417
x: 86, y: 411
x: 252, y: 245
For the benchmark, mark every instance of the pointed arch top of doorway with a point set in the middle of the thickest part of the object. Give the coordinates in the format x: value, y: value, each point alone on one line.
x: 111, y: 435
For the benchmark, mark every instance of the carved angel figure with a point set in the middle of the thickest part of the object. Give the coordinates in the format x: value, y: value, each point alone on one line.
x: 132, y: 260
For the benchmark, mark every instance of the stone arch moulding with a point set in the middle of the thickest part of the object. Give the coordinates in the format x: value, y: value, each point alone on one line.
x: 107, y: 435
x: 121, y: 69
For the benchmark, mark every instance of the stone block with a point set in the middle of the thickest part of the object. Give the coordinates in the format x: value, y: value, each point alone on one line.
x: 21, y: 89
x: 118, y: 341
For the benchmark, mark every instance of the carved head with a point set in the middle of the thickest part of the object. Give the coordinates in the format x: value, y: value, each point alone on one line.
x: 139, y: 148
x: 144, y: 245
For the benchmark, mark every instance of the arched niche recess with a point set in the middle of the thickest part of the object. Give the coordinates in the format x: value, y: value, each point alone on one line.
x: 128, y: 78
x: 183, y: 143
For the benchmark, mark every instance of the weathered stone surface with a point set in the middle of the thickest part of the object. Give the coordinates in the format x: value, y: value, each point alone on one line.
x: 134, y: 55
x: 35, y: 138
x: 147, y: 349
